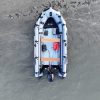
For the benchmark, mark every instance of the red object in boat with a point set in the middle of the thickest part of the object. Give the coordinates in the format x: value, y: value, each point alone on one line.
x: 56, y: 46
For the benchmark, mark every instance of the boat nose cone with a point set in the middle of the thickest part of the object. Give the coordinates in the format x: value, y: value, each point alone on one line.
x: 50, y: 8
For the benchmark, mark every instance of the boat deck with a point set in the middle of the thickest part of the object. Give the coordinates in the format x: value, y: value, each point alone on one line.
x: 50, y: 56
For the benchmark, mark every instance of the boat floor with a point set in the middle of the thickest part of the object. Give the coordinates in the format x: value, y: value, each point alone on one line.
x: 50, y: 56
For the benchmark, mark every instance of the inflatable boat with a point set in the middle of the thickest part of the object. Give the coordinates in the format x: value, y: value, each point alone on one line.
x: 50, y: 44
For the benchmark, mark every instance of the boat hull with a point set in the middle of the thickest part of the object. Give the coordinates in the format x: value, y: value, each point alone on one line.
x: 50, y: 32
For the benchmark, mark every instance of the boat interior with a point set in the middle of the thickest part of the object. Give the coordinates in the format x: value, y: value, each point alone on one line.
x: 50, y: 45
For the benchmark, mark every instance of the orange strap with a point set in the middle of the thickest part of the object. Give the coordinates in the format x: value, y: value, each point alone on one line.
x: 50, y: 59
x: 50, y: 40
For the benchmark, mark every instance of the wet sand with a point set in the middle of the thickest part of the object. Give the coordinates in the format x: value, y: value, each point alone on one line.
x: 17, y: 81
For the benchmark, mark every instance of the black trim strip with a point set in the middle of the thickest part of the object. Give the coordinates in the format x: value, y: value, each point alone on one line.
x: 59, y: 22
x: 63, y: 24
x: 59, y: 16
x: 42, y: 23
